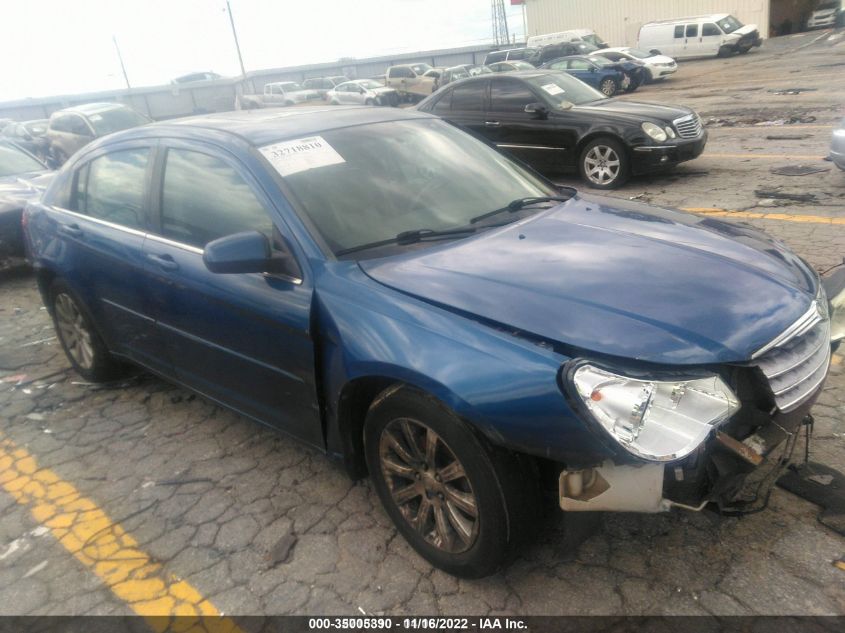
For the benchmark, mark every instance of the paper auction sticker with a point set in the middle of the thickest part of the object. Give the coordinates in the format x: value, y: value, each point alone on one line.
x: 552, y: 89
x: 291, y: 157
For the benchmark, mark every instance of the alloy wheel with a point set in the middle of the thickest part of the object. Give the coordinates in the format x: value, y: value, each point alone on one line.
x: 74, y: 332
x: 429, y: 485
x: 608, y: 87
x: 602, y: 165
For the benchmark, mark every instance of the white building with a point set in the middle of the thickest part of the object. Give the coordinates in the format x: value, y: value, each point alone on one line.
x: 618, y: 21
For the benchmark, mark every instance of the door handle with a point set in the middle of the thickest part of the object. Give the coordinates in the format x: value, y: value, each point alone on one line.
x: 70, y: 229
x: 165, y: 262
x: 492, y: 123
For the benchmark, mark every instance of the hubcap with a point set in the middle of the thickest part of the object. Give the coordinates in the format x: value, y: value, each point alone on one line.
x: 602, y: 165
x: 429, y: 485
x: 607, y: 87
x: 75, y: 335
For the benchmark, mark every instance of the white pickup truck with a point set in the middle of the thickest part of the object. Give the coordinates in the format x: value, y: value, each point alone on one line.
x: 277, y: 94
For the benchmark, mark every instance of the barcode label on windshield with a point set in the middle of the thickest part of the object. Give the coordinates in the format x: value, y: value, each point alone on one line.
x: 552, y: 89
x: 291, y: 157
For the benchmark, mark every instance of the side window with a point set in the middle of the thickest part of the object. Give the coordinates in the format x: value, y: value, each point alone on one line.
x: 509, y: 96
x: 203, y: 198
x: 469, y: 97
x: 710, y: 29
x: 692, y: 30
x: 614, y: 57
x: 517, y: 54
x: 559, y: 66
x: 579, y: 64
x: 444, y: 104
x: 77, y: 126
x: 679, y: 30
x: 111, y: 187
x: 59, y: 123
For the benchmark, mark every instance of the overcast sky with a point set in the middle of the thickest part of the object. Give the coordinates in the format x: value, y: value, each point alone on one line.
x: 50, y: 47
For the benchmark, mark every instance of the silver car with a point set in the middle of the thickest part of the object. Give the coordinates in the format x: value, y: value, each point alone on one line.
x: 837, y: 146
x: 362, y: 92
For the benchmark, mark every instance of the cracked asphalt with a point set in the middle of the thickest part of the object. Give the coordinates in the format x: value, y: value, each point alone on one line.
x: 255, y: 523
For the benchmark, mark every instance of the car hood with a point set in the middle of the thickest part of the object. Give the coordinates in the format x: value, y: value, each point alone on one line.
x: 23, y: 187
x: 635, y: 110
x: 659, y: 59
x: 746, y: 30
x: 616, y: 278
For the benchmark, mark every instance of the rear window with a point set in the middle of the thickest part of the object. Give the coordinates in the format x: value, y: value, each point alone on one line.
x: 495, y: 57
x: 114, y: 120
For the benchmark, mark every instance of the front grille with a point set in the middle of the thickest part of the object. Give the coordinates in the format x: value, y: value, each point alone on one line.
x: 797, y: 362
x: 688, y: 126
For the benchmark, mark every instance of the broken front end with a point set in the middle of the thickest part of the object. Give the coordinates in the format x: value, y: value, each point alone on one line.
x: 721, y: 436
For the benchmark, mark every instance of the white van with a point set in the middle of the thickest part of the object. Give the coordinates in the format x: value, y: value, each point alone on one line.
x: 575, y: 35
x: 700, y: 36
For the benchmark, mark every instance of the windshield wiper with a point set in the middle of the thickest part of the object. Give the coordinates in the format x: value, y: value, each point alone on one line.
x: 408, y: 237
x: 515, y: 205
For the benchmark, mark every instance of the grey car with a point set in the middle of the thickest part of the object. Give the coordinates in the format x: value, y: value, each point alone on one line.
x: 837, y: 146
x: 73, y: 128
x: 22, y: 178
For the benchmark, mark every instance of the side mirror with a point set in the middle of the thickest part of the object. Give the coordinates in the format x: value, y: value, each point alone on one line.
x: 538, y: 110
x: 248, y: 252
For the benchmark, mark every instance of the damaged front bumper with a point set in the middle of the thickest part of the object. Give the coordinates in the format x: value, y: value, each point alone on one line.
x: 737, y: 475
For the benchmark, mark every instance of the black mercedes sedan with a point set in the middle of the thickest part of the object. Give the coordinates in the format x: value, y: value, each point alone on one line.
x: 557, y: 123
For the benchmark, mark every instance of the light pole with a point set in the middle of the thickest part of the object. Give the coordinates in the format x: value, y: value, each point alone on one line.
x: 120, y: 59
x: 235, y: 35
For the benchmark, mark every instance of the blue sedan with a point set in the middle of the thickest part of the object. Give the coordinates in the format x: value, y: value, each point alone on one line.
x: 599, y: 73
x: 398, y: 294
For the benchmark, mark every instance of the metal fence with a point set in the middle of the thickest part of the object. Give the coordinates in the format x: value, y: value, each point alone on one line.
x: 174, y: 100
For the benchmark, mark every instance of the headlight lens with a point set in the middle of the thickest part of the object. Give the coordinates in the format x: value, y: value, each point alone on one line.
x: 670, y: 132
x: 654, y: 131
x: 835, y: 288
x: 655, y: 420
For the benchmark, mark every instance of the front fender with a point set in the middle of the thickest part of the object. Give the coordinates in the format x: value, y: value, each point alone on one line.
x: 504, y: 385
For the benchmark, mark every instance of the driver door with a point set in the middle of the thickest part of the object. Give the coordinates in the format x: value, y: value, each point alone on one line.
x: 242, y: 339
x: 537, y: 140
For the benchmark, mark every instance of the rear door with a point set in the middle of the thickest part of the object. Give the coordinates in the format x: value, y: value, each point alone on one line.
x: 468, y: 103
x: 243, y: 339
x: 692, y: 43
x: 537, y: 141
x: 102, y: 232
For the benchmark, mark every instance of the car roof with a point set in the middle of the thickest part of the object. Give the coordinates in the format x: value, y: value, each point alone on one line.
x: 269, y: 125
x: 711, y: 16
x: 93, y: 108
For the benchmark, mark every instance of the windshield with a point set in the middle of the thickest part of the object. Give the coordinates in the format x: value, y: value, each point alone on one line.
x: 479, y: 70
x: 729, y: 24
x: 561, y: 89
x: 376, y: 186
x: 636, y: 52
x: 289, y: 86
x: 369, y: 83
x: 420, y: 69
x: 110, y: 121
x: 593, y: 39
x: 13, y: 161
x: 36, y: 128
x: 522, y: 65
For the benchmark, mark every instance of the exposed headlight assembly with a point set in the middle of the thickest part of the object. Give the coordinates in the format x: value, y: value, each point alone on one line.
x: 656, y: 420
x: 654, y: 131
x: 834, y: 286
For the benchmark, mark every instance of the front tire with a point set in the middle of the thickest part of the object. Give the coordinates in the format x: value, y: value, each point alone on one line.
x: 461, y: 504
x: 604, y: 163
x: 80, y: 340
x: 608, y: 86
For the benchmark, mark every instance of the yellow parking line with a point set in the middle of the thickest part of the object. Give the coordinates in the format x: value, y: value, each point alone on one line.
x: 786, y: 217
x: 105, y: 548
x: 765, y: 156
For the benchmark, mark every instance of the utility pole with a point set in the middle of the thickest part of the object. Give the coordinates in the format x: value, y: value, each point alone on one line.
x: 120, y: 59
x: 235, y: 35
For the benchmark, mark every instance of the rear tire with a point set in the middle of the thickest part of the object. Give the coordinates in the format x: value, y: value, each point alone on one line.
x: 725, y: 51
x: 608, y: 86
x: 462, y: 504
x: 80, y: 340
x: 604, y: 163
